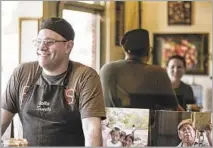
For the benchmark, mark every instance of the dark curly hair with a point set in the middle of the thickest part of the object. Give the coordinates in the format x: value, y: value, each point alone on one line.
x: 115, y: 129
x: 130, y: 136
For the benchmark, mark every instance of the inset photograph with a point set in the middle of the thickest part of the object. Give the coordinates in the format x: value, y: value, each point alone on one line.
x: 182, y: 129
x: 125, y: 127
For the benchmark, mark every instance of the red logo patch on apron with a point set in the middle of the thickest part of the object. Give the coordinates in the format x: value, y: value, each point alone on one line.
x: 25, y: 89
x: 70, y: 96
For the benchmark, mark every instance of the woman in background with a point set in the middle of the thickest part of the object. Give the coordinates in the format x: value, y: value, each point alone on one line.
x: 176, y: 67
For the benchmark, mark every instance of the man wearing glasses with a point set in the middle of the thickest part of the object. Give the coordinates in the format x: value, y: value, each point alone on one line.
x: 59, y: 101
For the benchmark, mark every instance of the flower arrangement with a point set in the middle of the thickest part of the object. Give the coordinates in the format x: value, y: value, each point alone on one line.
x: 183, y: 48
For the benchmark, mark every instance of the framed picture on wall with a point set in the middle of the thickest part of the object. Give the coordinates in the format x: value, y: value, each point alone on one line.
x: 194, y: 47
x: 179, y: 12
x: 119, y: 21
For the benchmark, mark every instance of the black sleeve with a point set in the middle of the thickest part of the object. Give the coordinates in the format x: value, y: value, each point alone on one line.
x: 190, y: 99
x: 11, y: 94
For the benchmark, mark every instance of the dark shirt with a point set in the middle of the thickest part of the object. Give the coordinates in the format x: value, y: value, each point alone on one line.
x: 185, y: 94
x: 131, y: 83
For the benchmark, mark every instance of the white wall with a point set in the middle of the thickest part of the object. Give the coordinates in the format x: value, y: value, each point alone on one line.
x: 11, y: 11
x: 154, y: 19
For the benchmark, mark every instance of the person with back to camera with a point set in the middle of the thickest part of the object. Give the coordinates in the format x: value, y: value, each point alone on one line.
x: 59, y: 101
x: 120, y: 79
x: 176, y: 67
x: 187, y: 133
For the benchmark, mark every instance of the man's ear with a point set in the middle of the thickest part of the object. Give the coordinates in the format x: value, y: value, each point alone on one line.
x: 69, y: 46
x: 147, y: 57
x: 179, y: 135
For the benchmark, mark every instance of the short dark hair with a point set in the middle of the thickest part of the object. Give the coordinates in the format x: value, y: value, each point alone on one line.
x: 139, y: 53
x: 136, y: 42
x: 181, y: 58
x: 115, y: 129
x: 130, y: 136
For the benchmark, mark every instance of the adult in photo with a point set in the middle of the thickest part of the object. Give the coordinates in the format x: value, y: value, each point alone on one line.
x: 189, y: 135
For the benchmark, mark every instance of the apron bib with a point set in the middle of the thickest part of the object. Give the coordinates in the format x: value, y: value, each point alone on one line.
x: 49, y: 117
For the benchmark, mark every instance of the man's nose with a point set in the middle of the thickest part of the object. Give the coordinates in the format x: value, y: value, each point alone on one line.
x: 174, y: 69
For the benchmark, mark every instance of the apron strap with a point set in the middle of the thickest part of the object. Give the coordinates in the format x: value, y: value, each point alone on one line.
x: 29, y: 83
x: 68, y: 75
x: 69, y: 92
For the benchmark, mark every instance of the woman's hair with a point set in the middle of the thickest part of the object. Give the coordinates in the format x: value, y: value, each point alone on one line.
x: 130, y: 136
x: 181, y: 58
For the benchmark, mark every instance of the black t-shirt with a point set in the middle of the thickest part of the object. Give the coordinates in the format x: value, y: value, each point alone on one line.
x: 185, y: 94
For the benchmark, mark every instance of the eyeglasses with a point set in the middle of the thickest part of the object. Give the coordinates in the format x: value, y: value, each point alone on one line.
x: 48, y: 42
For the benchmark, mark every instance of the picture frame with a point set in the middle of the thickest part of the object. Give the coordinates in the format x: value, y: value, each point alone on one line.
x: 179, y: 12
x: 26, y: 37
x: 132, y: 122
x: 193, y: 46
x: 166, y: 134
x: 119, y: 21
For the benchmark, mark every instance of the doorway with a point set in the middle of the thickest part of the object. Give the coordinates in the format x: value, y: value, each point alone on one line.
x: 86, y: 48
